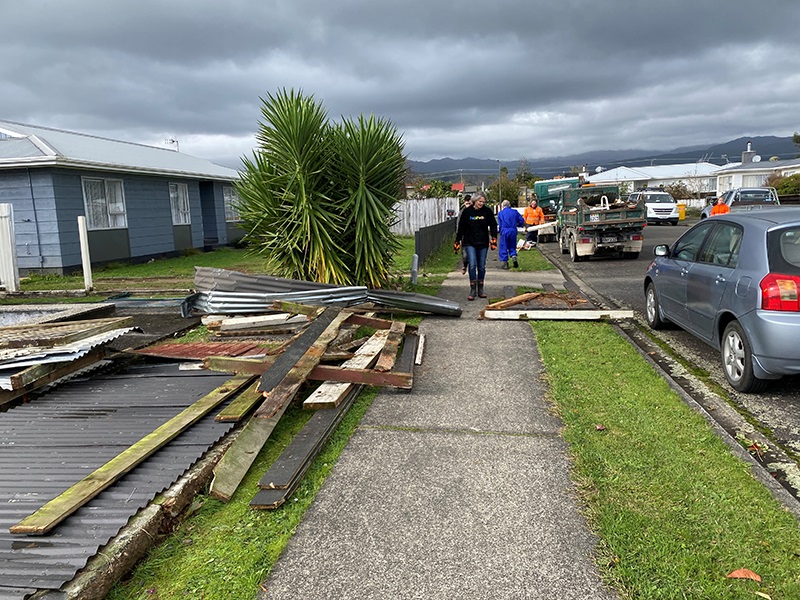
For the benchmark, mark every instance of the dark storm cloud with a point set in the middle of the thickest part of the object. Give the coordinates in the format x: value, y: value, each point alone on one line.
x: 458, y: 78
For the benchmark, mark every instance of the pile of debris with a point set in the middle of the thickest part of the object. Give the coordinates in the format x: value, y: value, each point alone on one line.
x: 35, y: 355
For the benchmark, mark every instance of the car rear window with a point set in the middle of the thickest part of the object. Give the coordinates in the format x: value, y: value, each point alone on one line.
x: 755, y: 197
x: 784, y: 250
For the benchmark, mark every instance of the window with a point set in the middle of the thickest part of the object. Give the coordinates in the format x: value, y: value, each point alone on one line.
x: 722, y: 247
x: 104, y: 203
x: 179, y: 201
x: 231, y: 200
x: 686, y: 248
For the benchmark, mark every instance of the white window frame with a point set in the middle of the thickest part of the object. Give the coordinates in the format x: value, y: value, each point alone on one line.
x: 230, y: 199
x: 104, y: 203
x: 179, y: 203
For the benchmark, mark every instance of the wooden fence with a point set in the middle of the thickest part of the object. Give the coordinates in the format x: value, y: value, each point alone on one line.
x: 413, y: 215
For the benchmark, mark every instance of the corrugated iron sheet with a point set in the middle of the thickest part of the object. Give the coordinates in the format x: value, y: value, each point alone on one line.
x: 49, y: 444
x: 229, y: 292
x: 66, y: 353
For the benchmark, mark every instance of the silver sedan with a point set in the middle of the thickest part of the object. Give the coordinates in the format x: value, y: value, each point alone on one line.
x: 733, y: 281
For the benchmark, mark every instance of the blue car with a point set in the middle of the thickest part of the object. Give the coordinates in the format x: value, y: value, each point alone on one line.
x: 733, y: 281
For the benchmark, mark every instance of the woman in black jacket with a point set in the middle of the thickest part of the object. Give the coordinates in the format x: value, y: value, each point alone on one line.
x: 476, y: 232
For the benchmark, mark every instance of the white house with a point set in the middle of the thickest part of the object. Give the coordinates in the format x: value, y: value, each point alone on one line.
x: 752, y: 171
x: 699, y: 177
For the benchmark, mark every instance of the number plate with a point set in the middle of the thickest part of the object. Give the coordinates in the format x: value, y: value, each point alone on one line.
x: 608, y: 240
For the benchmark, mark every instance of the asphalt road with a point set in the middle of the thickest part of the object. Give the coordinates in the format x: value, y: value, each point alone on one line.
x: 620, y: 283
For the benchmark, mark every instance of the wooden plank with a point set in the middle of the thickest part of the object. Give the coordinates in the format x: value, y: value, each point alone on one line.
x: 420, y: 349
x: 389, y: 353
x: 56, y: 372
x: 513, y: 301
x: 355, y: 344
x: 239, y: 457
x: 295, y: 308
x: 281, y: 366
x: 47, y: 335
x: 234, y: 364
x: 63, y: 505
x: 375, y: 323
x: 236, y: 410
x: 330, y: 394
x: 304, y: 446
x: 405, y: 364
x: 402, y: 380
x: 557, y: 315
x: 280, y: 395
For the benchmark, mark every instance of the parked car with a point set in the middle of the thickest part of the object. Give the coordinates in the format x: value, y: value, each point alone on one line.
x: 734, y: 282
x: 751, y: 198
x: 661, y: 206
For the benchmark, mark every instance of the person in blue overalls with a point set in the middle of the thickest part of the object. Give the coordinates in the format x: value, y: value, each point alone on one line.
x: 508, y: 219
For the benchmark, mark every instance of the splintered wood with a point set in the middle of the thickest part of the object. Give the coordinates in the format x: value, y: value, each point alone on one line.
x: 557, y: 305
x: 375, y: 359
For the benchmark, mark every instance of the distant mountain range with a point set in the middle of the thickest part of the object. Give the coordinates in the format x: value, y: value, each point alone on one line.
x: 475, y: 169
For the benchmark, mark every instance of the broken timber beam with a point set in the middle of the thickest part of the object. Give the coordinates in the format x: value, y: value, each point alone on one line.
x: 280, y: 394
x: 389, y: 353
x: 63, y: 505
x: 557, y: 315
x: 330, y: 393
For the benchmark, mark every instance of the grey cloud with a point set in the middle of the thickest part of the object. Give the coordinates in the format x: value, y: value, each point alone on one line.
x: 458, y: 78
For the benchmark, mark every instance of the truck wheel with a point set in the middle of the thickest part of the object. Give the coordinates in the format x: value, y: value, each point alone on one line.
x: 562, y: 244
x: 737, y: 360
x: 573, y: 252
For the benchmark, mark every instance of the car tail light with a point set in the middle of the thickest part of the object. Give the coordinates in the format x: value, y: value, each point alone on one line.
x: 780, y: 292
x: 585, y: 240
x: 636, y: 237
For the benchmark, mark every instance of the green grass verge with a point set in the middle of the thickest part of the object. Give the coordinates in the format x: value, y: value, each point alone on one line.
x: 224, y: 551
x: 675, y: 510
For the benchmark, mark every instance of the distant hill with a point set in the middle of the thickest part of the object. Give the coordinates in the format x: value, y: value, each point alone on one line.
x: 473, y: 169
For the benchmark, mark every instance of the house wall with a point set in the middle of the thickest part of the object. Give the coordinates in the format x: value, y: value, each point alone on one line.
x: 48, y: 201
x: 31, y: 194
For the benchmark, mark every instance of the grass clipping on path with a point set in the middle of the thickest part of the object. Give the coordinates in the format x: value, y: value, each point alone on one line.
x: 675, y: 510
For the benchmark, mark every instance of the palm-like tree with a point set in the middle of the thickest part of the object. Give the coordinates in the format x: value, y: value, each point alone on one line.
x: 316, y: 198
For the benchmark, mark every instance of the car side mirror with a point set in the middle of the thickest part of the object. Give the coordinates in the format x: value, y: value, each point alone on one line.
x: 661, y: 250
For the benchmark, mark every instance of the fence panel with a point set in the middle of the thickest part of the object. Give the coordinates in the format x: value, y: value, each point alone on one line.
x: 415, y: 214
x: 428, y: 239
x: 9, y: 273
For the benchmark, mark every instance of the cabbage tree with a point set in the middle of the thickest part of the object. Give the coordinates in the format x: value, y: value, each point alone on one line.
x: 316, y: 197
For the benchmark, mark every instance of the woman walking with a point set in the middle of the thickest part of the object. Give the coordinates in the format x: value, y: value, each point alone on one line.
x: 477, y: 230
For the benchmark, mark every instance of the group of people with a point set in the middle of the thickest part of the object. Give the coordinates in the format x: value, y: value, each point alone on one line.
x: 477, y: 231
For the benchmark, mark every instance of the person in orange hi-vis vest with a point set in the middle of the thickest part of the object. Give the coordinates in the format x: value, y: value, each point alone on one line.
x: 533, y: 215
x: 720, y: 208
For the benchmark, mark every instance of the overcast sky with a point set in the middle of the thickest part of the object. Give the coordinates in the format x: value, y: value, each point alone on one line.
x: 458, y: 78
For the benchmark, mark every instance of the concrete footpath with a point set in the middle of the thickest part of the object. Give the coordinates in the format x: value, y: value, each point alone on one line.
x: 457, y: 489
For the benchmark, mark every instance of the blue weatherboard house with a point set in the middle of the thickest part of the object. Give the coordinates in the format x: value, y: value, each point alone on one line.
x: 139, y: 201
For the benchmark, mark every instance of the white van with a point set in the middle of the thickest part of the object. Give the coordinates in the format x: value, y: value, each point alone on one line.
x: 661, y: 206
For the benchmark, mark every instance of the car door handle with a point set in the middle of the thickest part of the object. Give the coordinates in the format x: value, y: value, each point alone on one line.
x: 719, y: 279
x: 684, y: 272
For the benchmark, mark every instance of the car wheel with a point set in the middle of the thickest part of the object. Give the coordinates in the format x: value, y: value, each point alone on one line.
x: 737, y: 360
x: 652, y: 311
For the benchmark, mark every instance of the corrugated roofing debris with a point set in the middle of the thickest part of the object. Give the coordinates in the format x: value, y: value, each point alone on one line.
x: 229, y: 292
x: 50, y: 444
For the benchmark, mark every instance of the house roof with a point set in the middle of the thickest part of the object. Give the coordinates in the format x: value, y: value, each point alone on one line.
x: 679, y: 171
x: 767, y: 165
x: 31, y: 146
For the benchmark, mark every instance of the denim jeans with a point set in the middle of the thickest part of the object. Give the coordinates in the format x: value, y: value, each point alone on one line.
x: 477, y: 262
